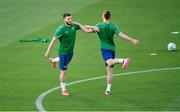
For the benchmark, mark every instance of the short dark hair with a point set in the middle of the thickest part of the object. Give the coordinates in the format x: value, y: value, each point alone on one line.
x: 66, y: 14
x: 107, y: 14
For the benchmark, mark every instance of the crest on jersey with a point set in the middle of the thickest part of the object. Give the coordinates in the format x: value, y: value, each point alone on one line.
x: 73, y: 28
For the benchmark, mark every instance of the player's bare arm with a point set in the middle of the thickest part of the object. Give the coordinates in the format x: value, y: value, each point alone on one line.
x: 83, y: 28
x: 47, y: 54
x: 126, y: 37
x: 94, y: 28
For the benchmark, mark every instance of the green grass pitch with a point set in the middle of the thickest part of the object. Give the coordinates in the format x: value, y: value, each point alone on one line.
x: 25, y: 73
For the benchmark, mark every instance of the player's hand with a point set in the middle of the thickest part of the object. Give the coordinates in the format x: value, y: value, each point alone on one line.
x: 135, y: 42
x: 46, y: 55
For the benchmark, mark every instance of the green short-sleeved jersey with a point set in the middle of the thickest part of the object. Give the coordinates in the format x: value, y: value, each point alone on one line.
x: 106, y: 33
x: 66, y: 36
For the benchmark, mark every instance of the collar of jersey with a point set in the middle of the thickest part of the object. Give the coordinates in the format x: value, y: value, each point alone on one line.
x: 67, y: 25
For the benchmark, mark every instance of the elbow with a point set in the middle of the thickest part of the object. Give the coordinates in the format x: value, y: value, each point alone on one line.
x: 122, y: 37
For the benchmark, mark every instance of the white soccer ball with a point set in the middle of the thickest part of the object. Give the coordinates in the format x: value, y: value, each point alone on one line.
x: 171, y: 46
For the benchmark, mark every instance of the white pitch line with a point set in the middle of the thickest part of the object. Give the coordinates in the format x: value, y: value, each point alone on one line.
x: 44, y: 94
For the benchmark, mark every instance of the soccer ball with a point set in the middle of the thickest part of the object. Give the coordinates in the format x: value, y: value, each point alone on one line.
x: 171, y: 46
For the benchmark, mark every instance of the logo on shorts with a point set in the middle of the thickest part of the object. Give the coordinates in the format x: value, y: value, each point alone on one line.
x: 65, y: 67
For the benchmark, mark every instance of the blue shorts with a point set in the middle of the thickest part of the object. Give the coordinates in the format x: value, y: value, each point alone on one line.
x: 64, y: 60
x: 107, y: 54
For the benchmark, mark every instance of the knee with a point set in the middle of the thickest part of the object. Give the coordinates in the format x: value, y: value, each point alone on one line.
x: 109, y: 63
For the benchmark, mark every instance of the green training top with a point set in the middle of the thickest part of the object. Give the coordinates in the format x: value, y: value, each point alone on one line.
x: 66, y: 35
x: 106, y: 33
